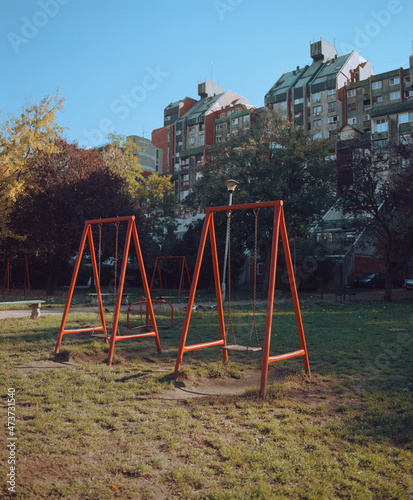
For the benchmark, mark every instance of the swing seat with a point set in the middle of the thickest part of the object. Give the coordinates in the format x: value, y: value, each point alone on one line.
x: 241, y: 348
x: 101, y: 336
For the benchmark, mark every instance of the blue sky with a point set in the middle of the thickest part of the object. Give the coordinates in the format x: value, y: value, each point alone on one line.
x: 120, y: 63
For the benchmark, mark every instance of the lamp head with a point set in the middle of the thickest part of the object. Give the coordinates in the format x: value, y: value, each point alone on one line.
x: 231, y: 185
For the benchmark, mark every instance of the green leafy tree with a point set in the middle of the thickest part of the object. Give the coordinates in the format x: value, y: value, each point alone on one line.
x: 273, y: 160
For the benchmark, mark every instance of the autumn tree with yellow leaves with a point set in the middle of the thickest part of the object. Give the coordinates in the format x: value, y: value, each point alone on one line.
x: 23, y: 136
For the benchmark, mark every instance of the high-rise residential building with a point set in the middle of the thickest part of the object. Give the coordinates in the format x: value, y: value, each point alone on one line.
x: 313, y: 96
x: 188, y: 132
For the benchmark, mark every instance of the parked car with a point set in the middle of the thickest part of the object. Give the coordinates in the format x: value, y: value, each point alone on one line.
x: 370, y: 280
x: 409, y: 283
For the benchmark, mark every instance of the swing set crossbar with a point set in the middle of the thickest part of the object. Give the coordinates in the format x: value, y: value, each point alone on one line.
x: 126, y: 337
x: 288, y: 355
x: 80, y: 330
x: 194, y: 347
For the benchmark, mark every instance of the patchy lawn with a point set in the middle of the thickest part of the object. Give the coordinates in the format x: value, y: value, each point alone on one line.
x: 88, y: 431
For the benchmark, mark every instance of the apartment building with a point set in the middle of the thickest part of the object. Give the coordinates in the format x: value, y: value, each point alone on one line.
x: 164, y: 137
x: 378, y: 110
x: 150, y: 156
x: 231, y: 120
x: 189, y: 131
x: 312, y: 96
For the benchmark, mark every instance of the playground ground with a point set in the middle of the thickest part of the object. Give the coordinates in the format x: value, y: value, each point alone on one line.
x: 86, y: 430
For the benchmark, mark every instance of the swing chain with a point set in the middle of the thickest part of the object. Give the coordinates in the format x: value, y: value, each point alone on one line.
x: 229, y: 324
x: 116, y: 273
x: 100, y: 252
x: 254, y: 322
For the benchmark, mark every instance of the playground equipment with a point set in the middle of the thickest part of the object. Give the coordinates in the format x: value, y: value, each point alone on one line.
x: 140, y: 304
x: 278, y: 226
x: 131, y: 232
x: 157, y: 268
x: 8, y: 273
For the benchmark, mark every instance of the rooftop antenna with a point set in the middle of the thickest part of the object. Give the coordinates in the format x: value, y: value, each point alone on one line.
x: 143, y: 132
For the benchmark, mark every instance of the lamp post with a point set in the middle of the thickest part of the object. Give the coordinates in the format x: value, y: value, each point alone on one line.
x: 231, y: 185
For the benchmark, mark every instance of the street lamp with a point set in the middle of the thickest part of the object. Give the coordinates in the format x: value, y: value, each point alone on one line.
x: 231, y: 185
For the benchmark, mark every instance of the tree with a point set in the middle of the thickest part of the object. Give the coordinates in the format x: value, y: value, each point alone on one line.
x: 77, y: 186
x: 120, y: 155
x: 157, y: 200
x: 22, y: 137
x: 273, y: 160
x: 377, y: 190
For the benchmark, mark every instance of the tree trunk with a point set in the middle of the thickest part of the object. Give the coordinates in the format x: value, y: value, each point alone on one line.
x: 388, y: 275
x: 52, y: 276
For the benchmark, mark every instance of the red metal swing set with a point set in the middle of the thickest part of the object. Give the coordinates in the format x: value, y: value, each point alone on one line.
x: 157, y: 270
x: 131, y: 232
x: 278, y: 226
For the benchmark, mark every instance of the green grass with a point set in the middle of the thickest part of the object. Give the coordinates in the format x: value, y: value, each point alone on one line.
x: 91, y: 431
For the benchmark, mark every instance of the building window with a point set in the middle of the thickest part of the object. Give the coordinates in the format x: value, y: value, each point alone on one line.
x: 380, y: 145
x: 316, y: 96
x: 351, y: 93
x: 235, y: 121
x: 318, y: 135
x: 219, y: 126
x: 351, y: 107
x: 191, y: 140
x: 380, y: 125
x: 405, y: 118
x: 331, y: 107
x: 167, y: 118
x: 394, y: 81
x: 219, y: 138
x: 317, y: 110
x: 366, y: 118
x: 300, y: 100
x: 317, y: 123
x: 282, y: 104
x: 352, y: 121
x: 332, y: 92
x: 376, y: 85
x: 377, y: 99
x: 201, y: 138
x: 332, y: 119
x: 395, y: 95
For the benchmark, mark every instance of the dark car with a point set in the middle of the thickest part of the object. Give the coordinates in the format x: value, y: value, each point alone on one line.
x: 370, y: 280
x: 409, y: 284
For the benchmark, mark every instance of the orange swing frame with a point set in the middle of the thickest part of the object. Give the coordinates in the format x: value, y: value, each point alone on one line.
x: 8, y: 272
x: 278, y: 227
x: 131, y: 232
x: 184, y: 267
